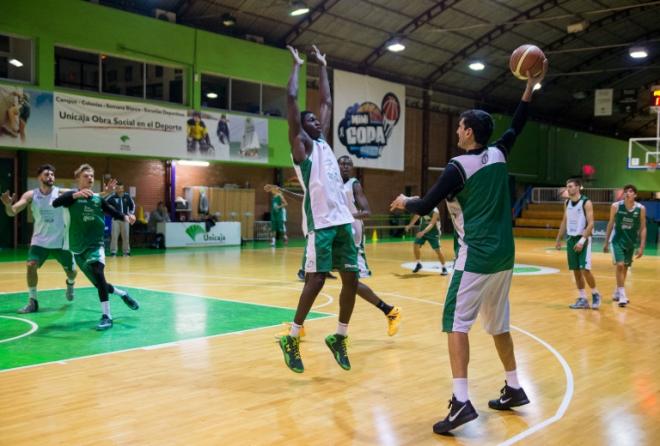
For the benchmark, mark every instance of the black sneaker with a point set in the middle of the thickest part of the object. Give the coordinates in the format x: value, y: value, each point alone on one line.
x: 301, y: 275
x: 417, y: 267
x: 104, y: 324
x: 291, y: 348
x: 459, y: 413
x: 509, y: 397
x: 444, y: 271
x: 130, y: 302
x: 31, y: 307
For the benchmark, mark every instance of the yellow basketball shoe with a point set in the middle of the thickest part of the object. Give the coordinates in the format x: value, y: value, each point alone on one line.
x: 393, y: 321
x: 287, y: 328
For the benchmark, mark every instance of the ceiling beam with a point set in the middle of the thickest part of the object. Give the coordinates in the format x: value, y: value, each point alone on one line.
x: 307, y: 21
x: 410, y: 27
x: 490, y: 36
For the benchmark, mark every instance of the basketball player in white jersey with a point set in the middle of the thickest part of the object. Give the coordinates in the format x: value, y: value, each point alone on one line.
x: 578, y: 223
x: 326, y: 217
x: 48, y: 237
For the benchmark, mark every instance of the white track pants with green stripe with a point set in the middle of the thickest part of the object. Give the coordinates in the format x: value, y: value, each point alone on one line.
x: 472, y: 293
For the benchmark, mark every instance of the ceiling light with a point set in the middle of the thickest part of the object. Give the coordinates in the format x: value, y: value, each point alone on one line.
x: 395, y: 45
x: 638, y: 52
x: 298, y: 8
x: 537, y: 87
x: 228, y: 19
x: 212, y: 95
x: 476, y: 66
x: 193, y: 163
x: 15, y: 62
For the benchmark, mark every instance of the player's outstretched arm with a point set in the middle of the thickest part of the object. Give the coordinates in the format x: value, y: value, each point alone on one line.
x: 296, y: 135
x: 11, y: 208
x: 325, y: 106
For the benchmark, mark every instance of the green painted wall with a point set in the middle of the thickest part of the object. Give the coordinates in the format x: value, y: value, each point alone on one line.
x: 548, y: 155
x: 87, y: 26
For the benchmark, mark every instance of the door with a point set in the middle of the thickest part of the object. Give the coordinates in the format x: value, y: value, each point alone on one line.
x: 6, y: 183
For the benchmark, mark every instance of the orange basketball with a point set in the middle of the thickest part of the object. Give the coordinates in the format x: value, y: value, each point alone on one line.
x: 526, y: 58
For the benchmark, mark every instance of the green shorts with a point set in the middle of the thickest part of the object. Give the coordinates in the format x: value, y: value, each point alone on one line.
x: 87, y: 257
x: 277, y: 225
x: 330, y: 249
x: 578, y: 260
x: 622, y: 253
x: 40, y: 254
x: 433, y: 240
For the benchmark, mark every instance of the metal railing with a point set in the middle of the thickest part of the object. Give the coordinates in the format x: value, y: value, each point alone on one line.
x: 558, y: 195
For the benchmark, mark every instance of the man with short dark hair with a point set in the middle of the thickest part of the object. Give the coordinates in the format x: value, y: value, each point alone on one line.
x: 627, y: 223
x: 578, y: 224
x: 476, y: 186
x: 123, y: 202
x: 49, y: 235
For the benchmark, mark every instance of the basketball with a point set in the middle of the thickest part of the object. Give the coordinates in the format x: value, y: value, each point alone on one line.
x: 391, y: 107
x: 526, y: 58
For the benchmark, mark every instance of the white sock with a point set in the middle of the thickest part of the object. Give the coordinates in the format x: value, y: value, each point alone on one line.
x: 582, y: 293
x: 342, y: 329
x: 512, y: 379
x: 32, y: 291
x: 594, y: 291
x: 105, y: 306
x: 621, y: 291
x: 119, y: 291
x: 70, y: 283
x: 461, y: 389
x: 295, y: 330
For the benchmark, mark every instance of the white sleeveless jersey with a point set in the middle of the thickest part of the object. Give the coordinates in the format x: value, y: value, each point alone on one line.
x: 49, y: 226
x: 576, y: 216
x: 325, y: 203
x: 358, y: 225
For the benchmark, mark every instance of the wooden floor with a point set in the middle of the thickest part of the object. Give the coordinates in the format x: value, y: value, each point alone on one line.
x: 592, y: 376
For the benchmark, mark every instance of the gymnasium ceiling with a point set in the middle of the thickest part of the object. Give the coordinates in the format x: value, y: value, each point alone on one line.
x: 443, y: 36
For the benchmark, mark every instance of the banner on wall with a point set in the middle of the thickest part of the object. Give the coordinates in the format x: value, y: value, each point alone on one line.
x: 369, y: 118
x: 37, y: 119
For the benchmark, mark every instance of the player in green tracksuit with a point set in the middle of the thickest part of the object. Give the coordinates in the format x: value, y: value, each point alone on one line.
x: 628, y: 221
x: 86, y: 238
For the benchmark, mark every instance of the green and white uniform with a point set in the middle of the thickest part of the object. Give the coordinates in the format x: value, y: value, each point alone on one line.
x: 326, y: 217
x: 576, y: 222
x: 626, y: 229
x: 433, y: 236
x: 49, y: 237
x: 276, y: 214
x: 358, y: 228
x: 87, y: 233
x: 481, y: 214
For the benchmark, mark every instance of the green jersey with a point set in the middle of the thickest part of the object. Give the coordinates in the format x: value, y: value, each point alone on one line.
x: 87, y: 224
x: 424, y: 221
x: 626, y: 223
x: 276, y: 213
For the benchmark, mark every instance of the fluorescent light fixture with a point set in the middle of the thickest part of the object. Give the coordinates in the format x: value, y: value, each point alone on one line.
x: 638, y: 52
x: 193, y: 163
x: 395, y: 46
x: 298, y: 8
x: 15, y: 62
x: 228, y: 19
x: 537, y: 86
x: 476, y: 66
x: 212, y: 95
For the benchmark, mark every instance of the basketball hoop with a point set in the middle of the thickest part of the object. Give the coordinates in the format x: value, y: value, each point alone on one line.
x: 651, y: 167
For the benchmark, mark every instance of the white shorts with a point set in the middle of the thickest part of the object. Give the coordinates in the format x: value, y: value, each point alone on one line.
x: 472, y: 293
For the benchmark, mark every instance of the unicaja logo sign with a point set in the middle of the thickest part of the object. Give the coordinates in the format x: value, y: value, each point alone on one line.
x: 124, y: 143
x: 194, y: 230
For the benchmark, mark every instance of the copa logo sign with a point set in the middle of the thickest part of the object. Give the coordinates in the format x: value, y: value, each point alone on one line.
x: 366, y: 127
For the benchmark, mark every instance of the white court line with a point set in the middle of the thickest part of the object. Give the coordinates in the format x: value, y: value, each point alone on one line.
x: 33, y: 327
x: 568, y: 395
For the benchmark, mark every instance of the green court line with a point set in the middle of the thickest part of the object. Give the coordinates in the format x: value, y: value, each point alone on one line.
x: 66, y: 330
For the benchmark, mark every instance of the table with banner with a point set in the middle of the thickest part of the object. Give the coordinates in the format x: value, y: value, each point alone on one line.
x: 194, y: 234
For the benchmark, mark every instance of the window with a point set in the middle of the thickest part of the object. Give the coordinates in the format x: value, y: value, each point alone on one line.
x: 273, y: 101
x: 215, y: 92
x: 15, y: 58
x: 164, y: 84
x: 114, y: 77
x: 125, y: 77
x: 245, y: 96
x: 76, y: 69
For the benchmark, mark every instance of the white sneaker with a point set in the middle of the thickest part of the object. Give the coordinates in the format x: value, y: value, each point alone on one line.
x: 615, y: 296
x: 623, y: 301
